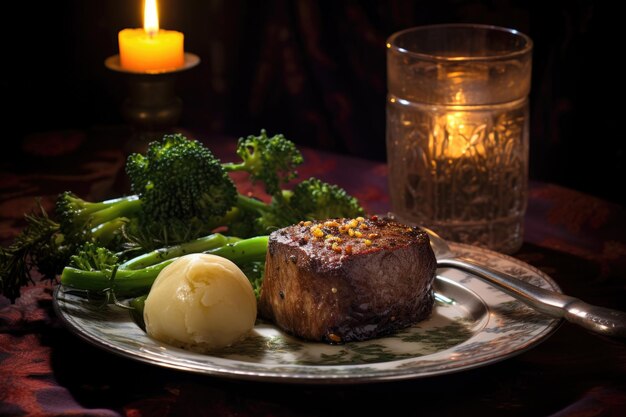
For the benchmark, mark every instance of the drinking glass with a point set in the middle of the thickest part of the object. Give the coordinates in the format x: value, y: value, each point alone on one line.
x: 457, y: 131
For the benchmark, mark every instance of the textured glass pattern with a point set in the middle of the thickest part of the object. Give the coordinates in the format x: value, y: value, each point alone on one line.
x: 461, y: 170
x: 457, y: 131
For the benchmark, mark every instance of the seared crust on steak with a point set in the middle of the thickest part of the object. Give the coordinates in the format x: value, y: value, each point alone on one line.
x: 343, y: 280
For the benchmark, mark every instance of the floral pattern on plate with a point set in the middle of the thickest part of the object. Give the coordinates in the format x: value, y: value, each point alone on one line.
x: 473, y: 324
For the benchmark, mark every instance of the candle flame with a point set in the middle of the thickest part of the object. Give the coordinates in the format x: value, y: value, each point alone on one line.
x: 458, y: 142
x: 150, y: 17
x: 456, y: 135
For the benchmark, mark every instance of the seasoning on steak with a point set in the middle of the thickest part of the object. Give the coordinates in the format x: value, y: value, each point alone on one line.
x: 343, y: 280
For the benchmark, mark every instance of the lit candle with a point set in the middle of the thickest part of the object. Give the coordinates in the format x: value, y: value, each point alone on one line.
x: 458, y: 134
x: 150, y: 49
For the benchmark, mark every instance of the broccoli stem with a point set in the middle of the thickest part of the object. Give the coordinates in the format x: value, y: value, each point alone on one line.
x: 106, y: 232
x: 199, y: 245
x: 88, y: 207
x: 112, y: 201
x: 131, y: 282
x: 231, y: 166
x: 122, y: 208
x: 251, y: 203
x: 243, y: 251
x: 230, y: 217
x: 127, y: 283
x: 138, y: 305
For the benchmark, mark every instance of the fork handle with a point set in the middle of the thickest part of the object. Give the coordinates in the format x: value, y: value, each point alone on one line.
x: 601, y: 320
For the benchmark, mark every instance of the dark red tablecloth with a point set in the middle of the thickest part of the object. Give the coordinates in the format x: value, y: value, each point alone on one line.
x: 580, y: 241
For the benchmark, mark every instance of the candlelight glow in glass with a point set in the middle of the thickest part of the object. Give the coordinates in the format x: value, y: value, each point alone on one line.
x: 457, y: 131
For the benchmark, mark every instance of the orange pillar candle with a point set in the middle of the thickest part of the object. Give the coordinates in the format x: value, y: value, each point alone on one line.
x: 151, y: 49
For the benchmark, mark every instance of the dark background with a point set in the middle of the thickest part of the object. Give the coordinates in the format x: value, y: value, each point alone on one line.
x: 315, y: 71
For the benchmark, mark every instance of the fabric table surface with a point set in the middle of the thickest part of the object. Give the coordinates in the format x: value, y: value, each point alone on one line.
x: 579, y: 240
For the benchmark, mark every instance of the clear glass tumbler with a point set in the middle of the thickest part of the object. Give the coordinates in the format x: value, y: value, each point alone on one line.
x: 457, y: 131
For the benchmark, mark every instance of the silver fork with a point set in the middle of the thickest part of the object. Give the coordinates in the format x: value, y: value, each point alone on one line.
x: 601, y: 320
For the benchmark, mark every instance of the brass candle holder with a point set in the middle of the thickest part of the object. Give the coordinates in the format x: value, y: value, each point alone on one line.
x: 152, y: 107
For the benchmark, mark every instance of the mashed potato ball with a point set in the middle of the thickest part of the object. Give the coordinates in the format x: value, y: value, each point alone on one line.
x: 200, y: 302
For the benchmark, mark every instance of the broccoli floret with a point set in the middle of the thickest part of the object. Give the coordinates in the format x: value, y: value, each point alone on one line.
x: 180, y: 188
x: 311, y: 199
x: 180, y: 179
x: 179, y: 185
x: 79, y: 218
x: 242, y: 222
x: 91, y: 257
x: 272, y: 160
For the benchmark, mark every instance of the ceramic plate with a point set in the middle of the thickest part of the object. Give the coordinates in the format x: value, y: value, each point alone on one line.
x: 473, y: 324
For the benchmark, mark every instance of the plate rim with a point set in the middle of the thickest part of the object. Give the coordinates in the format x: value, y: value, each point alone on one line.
x: 329, y: 378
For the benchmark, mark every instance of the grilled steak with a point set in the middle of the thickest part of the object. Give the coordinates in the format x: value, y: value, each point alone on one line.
x: 343, y: 280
